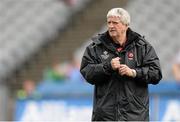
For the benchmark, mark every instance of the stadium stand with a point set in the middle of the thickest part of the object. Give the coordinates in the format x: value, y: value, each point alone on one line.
x: 26, y: 26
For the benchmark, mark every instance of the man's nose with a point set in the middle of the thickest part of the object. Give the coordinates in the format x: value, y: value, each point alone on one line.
x: 111, y: 25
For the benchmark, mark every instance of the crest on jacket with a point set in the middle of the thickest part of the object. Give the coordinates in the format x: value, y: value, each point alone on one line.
x: 130, y: 55
x: 105, y: 55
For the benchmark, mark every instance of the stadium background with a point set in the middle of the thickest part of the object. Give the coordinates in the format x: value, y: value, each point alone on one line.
x: 41, y: 44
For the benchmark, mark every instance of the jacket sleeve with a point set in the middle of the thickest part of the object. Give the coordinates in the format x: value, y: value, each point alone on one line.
x: 149, y: 72
x: 92, y: 70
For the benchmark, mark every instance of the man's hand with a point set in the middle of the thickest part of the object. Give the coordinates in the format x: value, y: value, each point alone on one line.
x: 115, y: 63
x: 125, y: 70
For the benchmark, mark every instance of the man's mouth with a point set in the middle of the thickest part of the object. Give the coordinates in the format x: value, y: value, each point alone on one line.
x: 112, y: 30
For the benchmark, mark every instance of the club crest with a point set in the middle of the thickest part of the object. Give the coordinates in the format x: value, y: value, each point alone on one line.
x: 130, y: 55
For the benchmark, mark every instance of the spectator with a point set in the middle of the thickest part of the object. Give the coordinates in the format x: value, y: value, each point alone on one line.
x: 28, y: 90
x: 176, y: 67
x: 74, y: 74
x: 55, y: 73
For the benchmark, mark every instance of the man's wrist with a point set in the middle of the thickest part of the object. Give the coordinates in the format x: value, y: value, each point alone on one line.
x: 133, y: 73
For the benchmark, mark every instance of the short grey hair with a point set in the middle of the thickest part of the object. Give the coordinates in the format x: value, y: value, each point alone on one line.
x: 121, y: 13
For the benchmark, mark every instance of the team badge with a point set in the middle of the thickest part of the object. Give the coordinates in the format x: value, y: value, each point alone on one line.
x: 130, y: 55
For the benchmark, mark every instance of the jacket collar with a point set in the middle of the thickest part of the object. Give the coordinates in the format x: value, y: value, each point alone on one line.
x: 107, y: 41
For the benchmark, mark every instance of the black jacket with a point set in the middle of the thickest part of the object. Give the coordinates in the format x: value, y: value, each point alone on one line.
x: 120, y: 97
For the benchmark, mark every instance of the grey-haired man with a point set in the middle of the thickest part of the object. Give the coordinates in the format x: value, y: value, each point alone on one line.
x: 120, y: 63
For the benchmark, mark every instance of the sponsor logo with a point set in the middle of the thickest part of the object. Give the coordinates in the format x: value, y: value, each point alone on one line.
x: 105, y: 55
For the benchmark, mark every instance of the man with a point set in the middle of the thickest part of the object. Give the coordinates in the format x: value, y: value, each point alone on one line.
x: 121, y: 64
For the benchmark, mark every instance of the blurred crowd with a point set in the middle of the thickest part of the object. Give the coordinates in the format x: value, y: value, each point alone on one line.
x: 67, y: 71
x: 58, y: 73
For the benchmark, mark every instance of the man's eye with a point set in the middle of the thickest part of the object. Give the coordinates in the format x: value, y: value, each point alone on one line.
x: 115, y: 22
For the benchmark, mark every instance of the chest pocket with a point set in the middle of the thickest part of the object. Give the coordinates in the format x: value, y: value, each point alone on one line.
x: 134, y: 57
x: 130, y: 58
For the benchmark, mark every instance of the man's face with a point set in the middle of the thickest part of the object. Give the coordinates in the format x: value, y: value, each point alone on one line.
x: 115, y: 27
